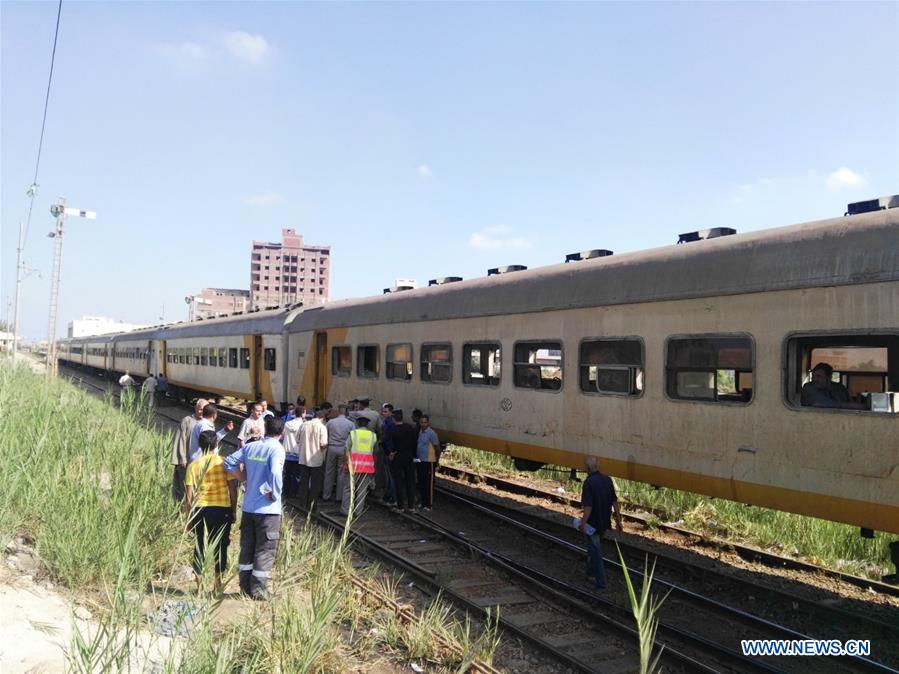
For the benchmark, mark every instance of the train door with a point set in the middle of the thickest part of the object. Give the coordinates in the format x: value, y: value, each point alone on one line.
x: 321, y: 367
x: 256, y: 365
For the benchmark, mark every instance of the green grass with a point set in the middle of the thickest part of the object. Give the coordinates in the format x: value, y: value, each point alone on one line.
x: 89, y: 483
x: 830, y: 544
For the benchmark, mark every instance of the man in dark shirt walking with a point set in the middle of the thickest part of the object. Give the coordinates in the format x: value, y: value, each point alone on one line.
x: 402, y: 446
x: 598, y: 500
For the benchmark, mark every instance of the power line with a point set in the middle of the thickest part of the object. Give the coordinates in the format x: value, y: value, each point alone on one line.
x: 32, y: 189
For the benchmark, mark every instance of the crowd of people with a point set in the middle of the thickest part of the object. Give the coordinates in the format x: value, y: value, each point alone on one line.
x: 311, y: 456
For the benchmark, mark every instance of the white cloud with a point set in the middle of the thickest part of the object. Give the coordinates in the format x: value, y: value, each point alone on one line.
x: 844, y: 177
x: 424, y: 171
x: 246, y: 47
x: 491, y: 238
x: 267, y: 198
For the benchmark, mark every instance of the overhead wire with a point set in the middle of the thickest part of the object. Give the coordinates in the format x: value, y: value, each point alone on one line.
x: 32, y: 189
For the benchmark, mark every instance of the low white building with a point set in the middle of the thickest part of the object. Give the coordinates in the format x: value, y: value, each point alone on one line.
x: 6, y: 339
x: 99, y: 325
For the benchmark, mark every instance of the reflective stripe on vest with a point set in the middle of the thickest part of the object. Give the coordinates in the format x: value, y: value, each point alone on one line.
x: 362, y: 448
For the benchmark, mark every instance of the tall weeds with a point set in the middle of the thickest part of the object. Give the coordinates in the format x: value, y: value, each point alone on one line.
x: 89, y: 483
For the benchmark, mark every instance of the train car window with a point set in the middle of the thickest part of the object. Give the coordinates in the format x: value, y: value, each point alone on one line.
x: 204, y: 355
x: 368, y: 361
x: 223, y: 357
x: 437, y: 363
x: 232, y: 357
x: 269, y: 359
x: 399, y: 361
x: 710, y: 368
x: 611, y: 366
x: 244, y: 359
x: 538, y: 365
x: 481, y: 364
x: 854, y: 371
x: 341, y: 361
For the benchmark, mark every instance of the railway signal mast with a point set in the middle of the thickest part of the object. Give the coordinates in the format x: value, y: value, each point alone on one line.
x: 60, y: 212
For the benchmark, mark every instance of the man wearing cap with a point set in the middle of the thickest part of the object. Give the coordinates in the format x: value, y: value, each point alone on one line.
x: 360, y: 465
x: 338, y: 432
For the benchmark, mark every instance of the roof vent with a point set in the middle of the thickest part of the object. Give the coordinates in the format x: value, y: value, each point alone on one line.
x: 881, y: 204
x: 444, y: 280
x: 508, y: 269
x: 588, y: 255
x: 397, y: 289
x: 704, y: 234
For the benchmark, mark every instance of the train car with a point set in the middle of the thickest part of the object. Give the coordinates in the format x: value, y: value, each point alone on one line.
x: 97, y: 352
x: 240, y: 356
x: 682, y: 366
x: 131, y: 352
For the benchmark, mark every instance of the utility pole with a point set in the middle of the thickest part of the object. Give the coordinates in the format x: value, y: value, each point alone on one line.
x: 60, y: 212
x: 20, y: 265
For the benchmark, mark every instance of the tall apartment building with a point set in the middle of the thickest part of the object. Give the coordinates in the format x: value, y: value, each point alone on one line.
x: 289, y: 272
x: 211, y: 302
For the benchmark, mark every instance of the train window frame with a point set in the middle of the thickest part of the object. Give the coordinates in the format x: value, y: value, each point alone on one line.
x: 204, y: 356
x: 223, y: 356
x: 409, y: 364
x: 642, y: 368
x: 269, y: 359
x: 790, y: 368
x: 196, y: 354
x: 243, y: 358
x: 360, y: 362
x: 424, y: 373
x: 336, y: 370
x: 493, y: 345
x: 233, y: 358
x: 539, y: 341
x: 710, y: 335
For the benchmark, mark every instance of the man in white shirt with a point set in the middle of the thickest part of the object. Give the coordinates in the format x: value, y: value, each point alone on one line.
x: 252, y: 428
x: 312, y: 443
x: 338, y: 431
x: 266, y: 412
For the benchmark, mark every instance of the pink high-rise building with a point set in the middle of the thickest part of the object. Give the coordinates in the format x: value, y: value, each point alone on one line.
x: 289, y: 272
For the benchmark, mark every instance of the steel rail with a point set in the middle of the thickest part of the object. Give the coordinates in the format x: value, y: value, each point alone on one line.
x: 676, y: 590
x: 746, y: 552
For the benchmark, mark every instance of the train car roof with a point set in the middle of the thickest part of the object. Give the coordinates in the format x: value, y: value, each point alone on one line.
x: 267, y: 322
x: 847, y: 250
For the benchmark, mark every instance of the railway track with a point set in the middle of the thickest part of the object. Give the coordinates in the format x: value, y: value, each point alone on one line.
x: 488, y: 565
x: 699, y: 599
x: 746, y: 552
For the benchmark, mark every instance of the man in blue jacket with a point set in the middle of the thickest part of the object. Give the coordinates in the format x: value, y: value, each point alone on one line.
x: 261, y: 465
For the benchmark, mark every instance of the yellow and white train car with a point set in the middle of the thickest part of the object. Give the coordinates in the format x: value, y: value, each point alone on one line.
x: 681, y: 366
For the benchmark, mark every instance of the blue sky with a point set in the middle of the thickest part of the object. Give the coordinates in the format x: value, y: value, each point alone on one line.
x: 425, y: 139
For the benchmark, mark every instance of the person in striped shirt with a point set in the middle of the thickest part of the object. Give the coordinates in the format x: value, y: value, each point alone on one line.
x: 211, y: 504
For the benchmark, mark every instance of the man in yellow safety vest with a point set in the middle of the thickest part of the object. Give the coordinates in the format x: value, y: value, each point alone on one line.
x: 360, y: 460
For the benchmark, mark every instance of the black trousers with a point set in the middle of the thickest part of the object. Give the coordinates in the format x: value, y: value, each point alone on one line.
x: 291, y: 478
x: 212, y: 525
x: 312, y: 479
x: 425, y: 472
x: 403, y: 471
